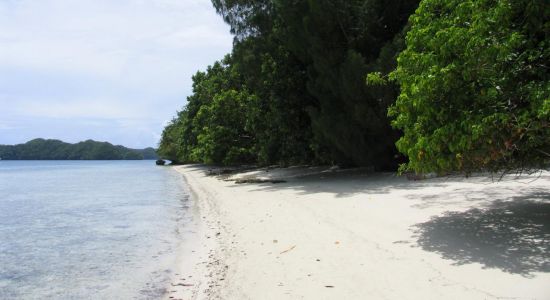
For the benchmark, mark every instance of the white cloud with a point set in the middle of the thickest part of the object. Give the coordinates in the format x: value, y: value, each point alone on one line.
x: 6, y: 127
x: 88, y: 108
x: 108, y: 37
x: 102, y: 60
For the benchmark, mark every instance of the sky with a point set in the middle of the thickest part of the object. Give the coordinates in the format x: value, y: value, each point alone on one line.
x: 108, y: 70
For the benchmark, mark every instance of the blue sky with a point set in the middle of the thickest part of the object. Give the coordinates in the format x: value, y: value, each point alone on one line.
x: 109, y: 70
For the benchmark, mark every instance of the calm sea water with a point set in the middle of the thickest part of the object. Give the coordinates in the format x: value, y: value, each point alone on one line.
x: 89, y: 229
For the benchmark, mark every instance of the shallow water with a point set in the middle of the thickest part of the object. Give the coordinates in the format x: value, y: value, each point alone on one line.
x: 89, y: 229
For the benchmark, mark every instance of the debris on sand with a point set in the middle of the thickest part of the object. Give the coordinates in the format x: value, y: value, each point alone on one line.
x: 288, y: 249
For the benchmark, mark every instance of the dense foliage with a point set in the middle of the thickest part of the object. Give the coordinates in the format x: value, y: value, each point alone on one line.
x: 296, y: 77
x: 475, y: 86
x: 215, y: 125
x: 41, y: 149
x: 471, y: 82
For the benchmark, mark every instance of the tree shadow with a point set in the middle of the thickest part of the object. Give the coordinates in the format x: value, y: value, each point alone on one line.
x: 349, y: 183
x: 512, y: 235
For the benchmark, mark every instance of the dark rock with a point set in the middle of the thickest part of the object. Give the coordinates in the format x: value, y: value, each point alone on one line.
x: 160, y: 162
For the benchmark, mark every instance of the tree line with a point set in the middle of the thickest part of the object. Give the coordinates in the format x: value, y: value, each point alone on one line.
x: 430, y: 86
x: 42, y: 149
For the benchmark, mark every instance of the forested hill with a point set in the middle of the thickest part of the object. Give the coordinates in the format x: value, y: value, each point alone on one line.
x: 431, y: 85
x: 42, y: 149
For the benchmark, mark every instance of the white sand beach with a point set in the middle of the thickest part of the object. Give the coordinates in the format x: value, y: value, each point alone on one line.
x: 330, y: 234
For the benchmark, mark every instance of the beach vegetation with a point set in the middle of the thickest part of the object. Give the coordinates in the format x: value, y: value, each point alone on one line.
x: 475, y: 86
x: 300, y: 67
x: 431, y: 86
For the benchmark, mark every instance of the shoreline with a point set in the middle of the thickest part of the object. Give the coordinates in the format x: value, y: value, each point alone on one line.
x: 315, y: 233
x: 194, y: 272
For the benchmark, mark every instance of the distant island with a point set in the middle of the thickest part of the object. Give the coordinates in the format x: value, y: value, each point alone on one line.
x: 48, y: 149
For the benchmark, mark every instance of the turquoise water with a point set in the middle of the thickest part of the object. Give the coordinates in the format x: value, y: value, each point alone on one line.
x: 89, y: 229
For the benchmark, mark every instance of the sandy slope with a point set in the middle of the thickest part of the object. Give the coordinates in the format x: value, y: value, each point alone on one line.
x: 351, y: 235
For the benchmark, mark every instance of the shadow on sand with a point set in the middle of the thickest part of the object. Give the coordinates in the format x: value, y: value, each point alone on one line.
x: 511, y: 235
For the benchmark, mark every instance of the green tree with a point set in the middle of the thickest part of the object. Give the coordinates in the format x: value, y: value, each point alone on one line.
x: 314, y: 56
x: 281, y: 121
x: 293, y: 89
x: 475, y: 88
x: 179, y: 139
x: 223, y: 130
x: 171, y: 144
x: 214, y: 126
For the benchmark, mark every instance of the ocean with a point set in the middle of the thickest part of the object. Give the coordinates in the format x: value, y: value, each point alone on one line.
x: 89, y: 229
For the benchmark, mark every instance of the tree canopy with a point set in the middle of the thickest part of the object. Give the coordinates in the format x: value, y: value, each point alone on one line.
x: 475, y: 86
x: 297, y: 71
x: 432, y: 85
